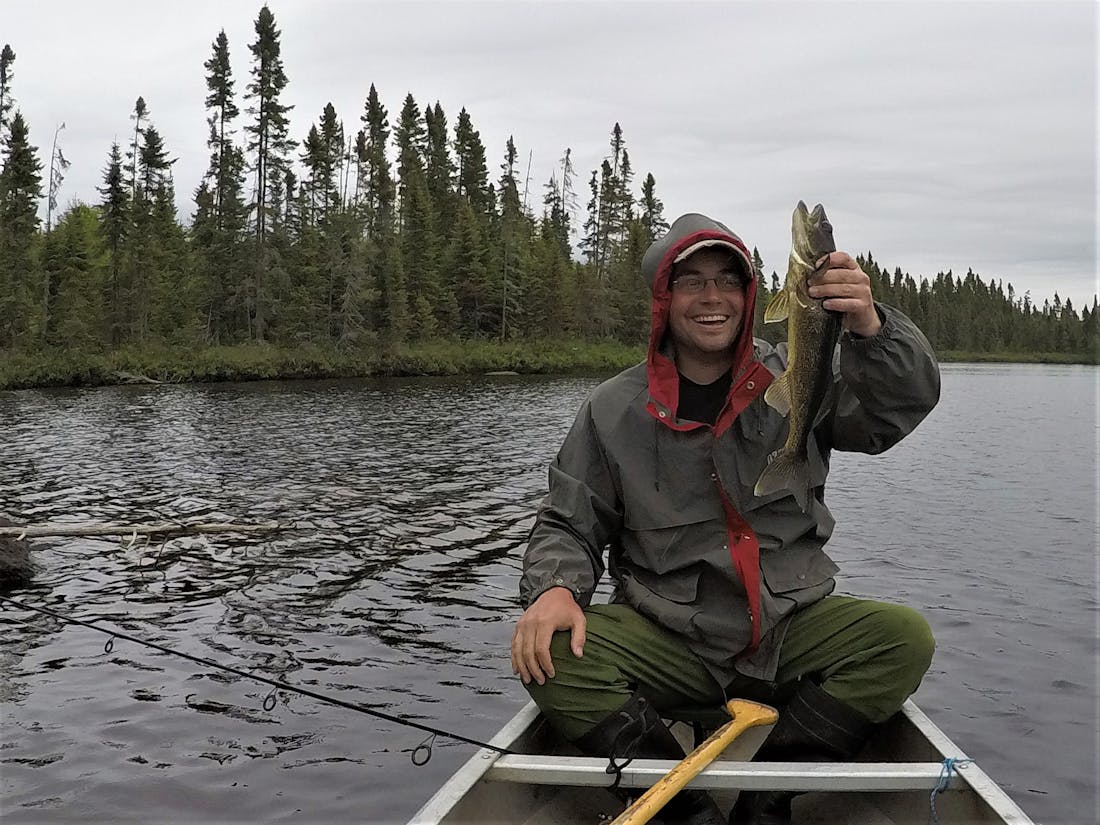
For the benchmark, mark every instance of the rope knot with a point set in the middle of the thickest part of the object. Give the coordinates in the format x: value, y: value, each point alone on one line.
x: 949, y: 765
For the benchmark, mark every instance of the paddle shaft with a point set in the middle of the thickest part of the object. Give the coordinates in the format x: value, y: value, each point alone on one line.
x: 745, y: 715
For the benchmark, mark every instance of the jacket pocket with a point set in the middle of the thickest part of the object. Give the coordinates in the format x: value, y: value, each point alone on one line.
x: 788, y: 571
x: 667, y: 543
x: 670, y: 602
x: 680, y: 586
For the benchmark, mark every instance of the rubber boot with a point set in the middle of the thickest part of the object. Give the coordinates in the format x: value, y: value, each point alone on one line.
x: 635, y: 731
x: 813, y: 727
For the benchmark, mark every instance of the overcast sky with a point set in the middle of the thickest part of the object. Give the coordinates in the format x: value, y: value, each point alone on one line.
x: 938, y: 135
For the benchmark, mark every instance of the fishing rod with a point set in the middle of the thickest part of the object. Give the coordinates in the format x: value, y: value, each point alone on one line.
x: 420, y: 755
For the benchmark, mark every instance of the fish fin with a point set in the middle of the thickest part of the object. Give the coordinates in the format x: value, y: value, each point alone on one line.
x: 778, y: 394
x: 778, y: 307
x: 786, y: 472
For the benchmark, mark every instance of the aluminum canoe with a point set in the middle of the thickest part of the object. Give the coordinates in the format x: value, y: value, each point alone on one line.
x: 547, y: 783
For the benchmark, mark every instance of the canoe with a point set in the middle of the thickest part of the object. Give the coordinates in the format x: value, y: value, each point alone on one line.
x: 545, y: 782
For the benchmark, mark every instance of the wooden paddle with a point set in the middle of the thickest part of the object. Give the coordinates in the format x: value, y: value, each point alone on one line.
x: 745, y: 715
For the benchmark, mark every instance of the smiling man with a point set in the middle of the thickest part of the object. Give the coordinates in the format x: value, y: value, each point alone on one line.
x: 718, y: 592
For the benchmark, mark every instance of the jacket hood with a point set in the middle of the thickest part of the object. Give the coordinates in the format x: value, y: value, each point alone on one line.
x: 688, y: 234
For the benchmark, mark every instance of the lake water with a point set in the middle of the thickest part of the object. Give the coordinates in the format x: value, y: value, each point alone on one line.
x: 416, y: 496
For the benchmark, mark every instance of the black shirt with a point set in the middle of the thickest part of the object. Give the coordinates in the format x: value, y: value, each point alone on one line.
x: 703, y: 402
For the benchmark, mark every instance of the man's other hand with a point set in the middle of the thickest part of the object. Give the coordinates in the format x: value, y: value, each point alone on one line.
x: 554, y: 610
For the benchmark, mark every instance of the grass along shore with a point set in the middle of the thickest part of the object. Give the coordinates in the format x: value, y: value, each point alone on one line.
x: 257, y: 362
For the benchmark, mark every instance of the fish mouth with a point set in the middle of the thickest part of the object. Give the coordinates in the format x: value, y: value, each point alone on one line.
x: 811, y: 235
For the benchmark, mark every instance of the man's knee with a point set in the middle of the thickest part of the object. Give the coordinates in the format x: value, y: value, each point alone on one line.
x: 582, y: 692
x: 905, y: 633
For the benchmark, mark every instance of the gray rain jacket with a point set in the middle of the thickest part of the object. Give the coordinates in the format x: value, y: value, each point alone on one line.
x: 689, y: 544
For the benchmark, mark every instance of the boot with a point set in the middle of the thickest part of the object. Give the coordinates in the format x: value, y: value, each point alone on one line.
x: 813, y: 727
x: 635, y: 731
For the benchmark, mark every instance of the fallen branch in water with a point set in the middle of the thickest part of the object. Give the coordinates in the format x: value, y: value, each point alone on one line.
x: 134, y: 378
x: 168, y: 528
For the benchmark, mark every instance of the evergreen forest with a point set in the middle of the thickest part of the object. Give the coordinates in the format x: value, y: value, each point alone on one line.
x: 383, y: 242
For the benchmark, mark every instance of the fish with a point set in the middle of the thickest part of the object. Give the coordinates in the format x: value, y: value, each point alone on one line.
x: 812, y: 335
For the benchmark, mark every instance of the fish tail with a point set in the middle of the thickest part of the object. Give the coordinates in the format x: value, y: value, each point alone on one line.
x: 790, y: 472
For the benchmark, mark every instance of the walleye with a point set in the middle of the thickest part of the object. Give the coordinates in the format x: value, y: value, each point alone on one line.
x: 812, y: 334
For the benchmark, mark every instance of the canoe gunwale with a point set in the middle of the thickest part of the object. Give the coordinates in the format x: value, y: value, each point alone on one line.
x: 474, y: 769
x: 978, y: 780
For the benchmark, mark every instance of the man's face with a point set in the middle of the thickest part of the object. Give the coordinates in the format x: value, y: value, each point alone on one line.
x: 708, y: 321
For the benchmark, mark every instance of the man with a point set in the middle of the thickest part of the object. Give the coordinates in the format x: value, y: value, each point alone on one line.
x: 718, y: 592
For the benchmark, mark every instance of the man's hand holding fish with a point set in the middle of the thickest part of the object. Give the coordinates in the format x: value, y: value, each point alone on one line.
x: 846, y: 288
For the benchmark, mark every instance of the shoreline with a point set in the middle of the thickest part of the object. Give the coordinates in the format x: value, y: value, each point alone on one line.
x: 258, y: 362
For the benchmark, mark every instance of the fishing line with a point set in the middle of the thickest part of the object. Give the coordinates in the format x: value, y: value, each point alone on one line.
x: 420, y: 755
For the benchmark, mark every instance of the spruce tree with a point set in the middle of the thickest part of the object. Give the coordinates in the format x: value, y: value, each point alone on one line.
x: 76, y: 306
x: 653, y: 212
x: 7, y: 59
x: 138, y: 115
x: 114, y: 216
x: 376, y: 191
x: 145, y: 247
x: 377, y: 202
x: 472, y: 183
x: 469, y: 278
x: 590, y: 240
x: 270, y: 148
x: 439, y: 168
x: 221, y: 217
x: 513, y: 245
x: 20, y: 191
x: 429, y: 303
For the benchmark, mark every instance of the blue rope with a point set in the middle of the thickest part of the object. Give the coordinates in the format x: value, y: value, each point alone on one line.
x: 949, y: 765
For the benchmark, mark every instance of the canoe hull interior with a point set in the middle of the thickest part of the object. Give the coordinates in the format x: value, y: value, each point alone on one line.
x: 890, y: 784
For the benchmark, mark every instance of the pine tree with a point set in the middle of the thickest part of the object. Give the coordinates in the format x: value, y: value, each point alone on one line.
x: 513, y: 243
x: 144, y: 246
x: 377, y: 195
x: 590, y: 241
x: 429, y: 303
x: 472, y: 184
x: 762, y: 293
x: 468, y: 273
x: 76, y: 301
x: 139, y: 114
x: 7, y: 59
x: 410, y: 137
x: 554, y: 217
x: 328, y: 278
x: 376, y: 192
x: 653, y: 211
x: 114, y: 212
x: 323, y: 151
x: 20, y: 191
x: 439, y: 168
x: 221, y: 216
x: 270, y: 147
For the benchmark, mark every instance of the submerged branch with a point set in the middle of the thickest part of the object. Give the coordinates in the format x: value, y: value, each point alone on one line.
x: 173, y: 528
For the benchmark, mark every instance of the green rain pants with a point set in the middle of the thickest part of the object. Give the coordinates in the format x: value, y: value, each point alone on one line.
x: 869, y: 655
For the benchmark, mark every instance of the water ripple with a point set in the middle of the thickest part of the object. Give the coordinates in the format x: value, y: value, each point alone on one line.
x: 414, y: 499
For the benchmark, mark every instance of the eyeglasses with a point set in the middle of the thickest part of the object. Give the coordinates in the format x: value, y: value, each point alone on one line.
x: 697, y: 283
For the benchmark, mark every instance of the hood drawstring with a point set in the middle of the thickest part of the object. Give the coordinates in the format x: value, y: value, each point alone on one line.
x: 657, y: 456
